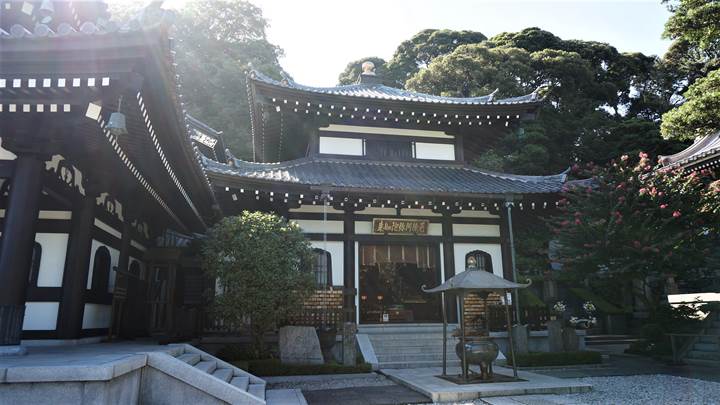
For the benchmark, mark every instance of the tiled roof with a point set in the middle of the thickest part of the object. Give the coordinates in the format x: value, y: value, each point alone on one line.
x: 382, y: 92
x: 704, y: 148
x: 63, y: 18
x: 392, y: 176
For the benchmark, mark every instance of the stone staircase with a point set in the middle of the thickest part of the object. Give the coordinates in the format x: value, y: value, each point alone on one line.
x: 706, y: 349
x: 409, y: 346
x: 209, y: 378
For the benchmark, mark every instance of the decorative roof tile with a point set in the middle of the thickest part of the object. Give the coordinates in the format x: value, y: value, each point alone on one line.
x: 704, y: 148
x: 393, y: 176
x: 380, y: 91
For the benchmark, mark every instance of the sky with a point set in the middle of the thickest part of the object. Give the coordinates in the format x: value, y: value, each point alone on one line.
x: 320, y: 37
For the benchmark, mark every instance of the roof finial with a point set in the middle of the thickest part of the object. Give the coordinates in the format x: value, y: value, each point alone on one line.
x: 368, y: 68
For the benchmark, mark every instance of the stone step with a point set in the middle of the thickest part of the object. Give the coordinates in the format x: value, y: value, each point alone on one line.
x: 709, y: 339
x: 257, y: 389
x: 701, y: 362
x: 397, y: 358
x: 207, y: 366
x: 224, y: 374
x: 190, y: 358
x: 712, y: 331
x: 406, y: 341
x: 241, y: 382
x: 696, y: 354
x: 403, y: 329
x: 417, y: 364
x: 705, y: 347
x: 414, y: 350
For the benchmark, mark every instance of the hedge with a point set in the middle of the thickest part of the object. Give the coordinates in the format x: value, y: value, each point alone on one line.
x: 544, y: 359
x: 602, y: 305
x: 273, y: 367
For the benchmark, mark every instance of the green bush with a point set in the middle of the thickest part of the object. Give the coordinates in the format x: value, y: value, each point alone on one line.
x: 273, y: 367
x: 602, y: 305
x: 543, y: 359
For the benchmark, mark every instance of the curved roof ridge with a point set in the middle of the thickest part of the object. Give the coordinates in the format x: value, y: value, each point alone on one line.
x: 701, y: 147
x: 381, y: 91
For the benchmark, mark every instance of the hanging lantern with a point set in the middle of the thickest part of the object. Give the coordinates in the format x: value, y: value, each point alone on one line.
x: 117, y: 124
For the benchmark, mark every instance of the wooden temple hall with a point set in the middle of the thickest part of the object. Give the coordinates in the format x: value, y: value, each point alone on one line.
x: 107, y: 181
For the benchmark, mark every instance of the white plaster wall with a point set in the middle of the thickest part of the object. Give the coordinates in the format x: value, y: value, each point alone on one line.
x: 365, y: 228
x: 337, y: 257
x: 462, y: 249
x: 386, y: 131
x: 341, y: 146
x: 114, y: 260
x: 317, y: 209
x: 6, y: 154
x: 417, y: 212
x: 434, y: 151
x: 377, y: 211
x: 319, y: 226
x: 96, y: 316
x: 52, y: 261
x: 475, y: 214
x: 41, y: 315
x: 476, y: 230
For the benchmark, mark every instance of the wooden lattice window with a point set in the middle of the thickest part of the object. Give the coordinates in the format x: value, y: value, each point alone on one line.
x: 322, y: 268
x: 101, y: 269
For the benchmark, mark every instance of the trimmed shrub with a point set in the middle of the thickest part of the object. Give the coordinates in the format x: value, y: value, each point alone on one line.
x: 543, y: 359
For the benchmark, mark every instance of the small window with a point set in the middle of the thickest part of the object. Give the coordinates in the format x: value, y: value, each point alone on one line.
x: 101, y: 269
x: 322, y: 268
x: 35, y: 264
x: 384, y: 149
x: 478, y: 260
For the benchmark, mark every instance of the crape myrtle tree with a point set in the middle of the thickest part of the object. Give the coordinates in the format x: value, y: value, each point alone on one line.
x: 260, y: 262
x: 637, y: 224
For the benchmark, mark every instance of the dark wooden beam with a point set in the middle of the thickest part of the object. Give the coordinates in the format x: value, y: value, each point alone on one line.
x: 17, y: 243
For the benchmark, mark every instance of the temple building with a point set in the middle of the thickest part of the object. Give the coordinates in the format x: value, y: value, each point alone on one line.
x: 106, y: 178
x: 379, y: 179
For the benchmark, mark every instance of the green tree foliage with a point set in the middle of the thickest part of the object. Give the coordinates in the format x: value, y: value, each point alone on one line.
x: 694, y: 28
x: 219, y: 41
x: 699, y: 115
x: 259, y: 261
x: 353, y: 69
x: 424, y: 47
x: 596, y: 96
x: 638, y: 224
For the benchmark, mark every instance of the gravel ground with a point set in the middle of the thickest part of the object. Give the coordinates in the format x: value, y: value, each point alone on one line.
x: 626, y: 390
x: 649, y: 389
x: 329, y: 382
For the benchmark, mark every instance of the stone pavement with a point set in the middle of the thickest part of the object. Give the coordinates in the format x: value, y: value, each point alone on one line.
x: 387, y: 395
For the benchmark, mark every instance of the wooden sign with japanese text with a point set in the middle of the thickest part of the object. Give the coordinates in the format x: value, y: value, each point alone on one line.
x: 401, y: 226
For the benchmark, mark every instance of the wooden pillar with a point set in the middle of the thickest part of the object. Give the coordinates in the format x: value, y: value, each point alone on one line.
x: 350, y: 289
x: 449, y: 261
x: 77, y: 264
x: 505, y: 246
x: 17, y: 243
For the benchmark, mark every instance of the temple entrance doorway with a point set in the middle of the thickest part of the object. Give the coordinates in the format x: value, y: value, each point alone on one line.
x: 390, y: 278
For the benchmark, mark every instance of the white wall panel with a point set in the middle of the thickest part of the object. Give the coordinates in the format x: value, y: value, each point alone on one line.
x: 476, y: 230
x: 462, y: 249
x: 6, y: 154
x: 41, y: 315
x: 96, y: 316
x: 52, y: 260
x: 475, y: 214
x: 434, y: 151
x: 337, y: 259
x: 319, y: 226
x: 341, y: 146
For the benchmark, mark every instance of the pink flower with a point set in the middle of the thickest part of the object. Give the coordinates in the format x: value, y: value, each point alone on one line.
x: 676, y: 214
x: 643, y: 155
x: 643, y: 191
x: 663, y: 206
x: 577, y: 221
x: 624, y: 157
